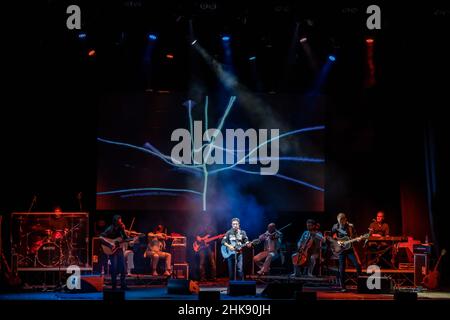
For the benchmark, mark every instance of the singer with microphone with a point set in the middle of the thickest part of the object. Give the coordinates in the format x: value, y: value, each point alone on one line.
x: 234, y: 240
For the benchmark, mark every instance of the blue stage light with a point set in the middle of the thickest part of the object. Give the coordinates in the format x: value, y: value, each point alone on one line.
x: 82, y: 35
x: 252, y: 58
x: 332, y: 58
x: 152, y: 37
x: 226, y: 38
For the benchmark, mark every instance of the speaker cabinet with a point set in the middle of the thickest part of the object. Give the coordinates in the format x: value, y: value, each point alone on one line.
x: 242, y: 288
x: 420, y: 268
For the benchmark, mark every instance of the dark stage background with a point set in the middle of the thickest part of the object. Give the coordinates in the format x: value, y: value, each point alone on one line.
x: 385, y: 146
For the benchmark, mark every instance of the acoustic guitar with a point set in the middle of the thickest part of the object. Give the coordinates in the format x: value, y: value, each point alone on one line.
x: 110, y: 246
x: 345, y: 243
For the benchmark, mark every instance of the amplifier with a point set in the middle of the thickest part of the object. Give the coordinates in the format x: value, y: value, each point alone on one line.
x: 178, y: 253
x: 420, y: 268
x: 180, y: 271
x: 422, y: 248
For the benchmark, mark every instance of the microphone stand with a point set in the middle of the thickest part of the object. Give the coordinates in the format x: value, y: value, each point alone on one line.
x: 32, y: 203
x: 79, y: 201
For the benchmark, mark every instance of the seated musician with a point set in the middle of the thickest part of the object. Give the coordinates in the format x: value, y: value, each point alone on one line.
x: 133, y: 250
x: 272, y: 242
x: 378, y: 229
x: 156, y: 245
x: 309, y: 244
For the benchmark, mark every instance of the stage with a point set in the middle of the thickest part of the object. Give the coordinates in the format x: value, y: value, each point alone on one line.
x: 160, y: 292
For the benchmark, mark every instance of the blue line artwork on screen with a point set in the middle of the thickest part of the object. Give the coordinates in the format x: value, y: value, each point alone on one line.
x: 203, y: 170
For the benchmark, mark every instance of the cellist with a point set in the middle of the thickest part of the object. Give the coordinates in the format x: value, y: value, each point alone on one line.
x: 307, y: 256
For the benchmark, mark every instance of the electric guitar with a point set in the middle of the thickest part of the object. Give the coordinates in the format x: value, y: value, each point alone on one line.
x: 431, y: 280
x: 110, y: 246
x: 197, y: 245
x: 344, y: 243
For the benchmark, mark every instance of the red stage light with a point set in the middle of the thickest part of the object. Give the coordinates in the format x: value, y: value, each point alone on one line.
x: 169, y: 56
x: 369, y: 41
x: 91, y: 53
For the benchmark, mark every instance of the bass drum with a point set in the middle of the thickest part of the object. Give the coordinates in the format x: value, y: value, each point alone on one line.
x: 48, y: 254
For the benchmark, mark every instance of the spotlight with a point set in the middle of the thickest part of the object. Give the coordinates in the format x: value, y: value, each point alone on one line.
x: 152, y: 37
x: 169, y: 56
x: 252, y: 58
x: 332, y: 58
x: 226, y: 38
x: 194, y: 42
x: 303, y: 40
x: 82, y: 35
x: 370, y: 41
x: 91, y: 53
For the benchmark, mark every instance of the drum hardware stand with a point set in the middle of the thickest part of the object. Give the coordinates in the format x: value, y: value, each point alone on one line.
x: 60, y: 286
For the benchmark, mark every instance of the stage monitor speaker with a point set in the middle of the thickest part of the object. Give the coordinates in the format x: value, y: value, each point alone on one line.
x: 114, y: 295
x: 181, y: 286
x: 281, y: 290
x: 420, y: 268
x: 209, y: 295
x: 405, y: 296
x: 242, y: 288
x: 385, y: 284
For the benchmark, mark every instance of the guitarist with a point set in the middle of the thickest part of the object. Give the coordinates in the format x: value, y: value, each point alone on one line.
x: 205, y: 253
x: 235, y: 238
x: 345, y: 229
x: 117, y: 259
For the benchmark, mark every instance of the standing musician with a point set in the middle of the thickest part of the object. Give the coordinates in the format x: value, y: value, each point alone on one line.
x: 309, y: 248
x: 114, y: 231
x: 234, y: 239
x: 345, y: 229
x: 205, y: 252
x: 272, y: 242
x: 155, y: 250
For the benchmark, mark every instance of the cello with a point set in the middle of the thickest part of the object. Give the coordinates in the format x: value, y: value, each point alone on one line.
x: 301, y: 257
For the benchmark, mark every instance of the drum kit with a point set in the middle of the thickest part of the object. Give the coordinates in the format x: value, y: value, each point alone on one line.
x: 43, y: 246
